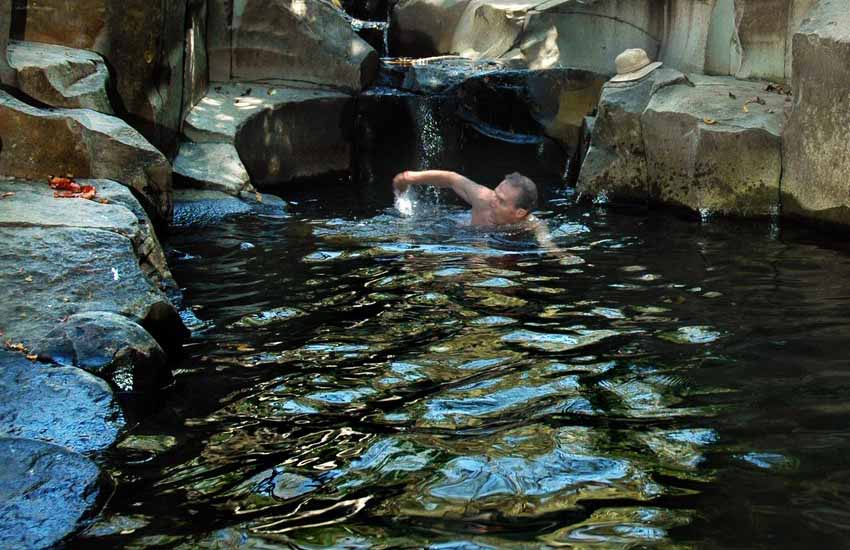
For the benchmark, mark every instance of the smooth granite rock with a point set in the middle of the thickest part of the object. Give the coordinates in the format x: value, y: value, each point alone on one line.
x: 46, y: 493
x: 143, y: 43
x: 287, y: 40
x: 38, y: 143
x: 61, y: 77
x: 61, y: 405
x: 214, y: 166
x: 280, y: 133
x: 816, y: 143
x: 710, y: 150
x: 110, y: 346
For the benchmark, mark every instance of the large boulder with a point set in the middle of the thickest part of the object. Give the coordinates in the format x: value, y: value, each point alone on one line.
x: 70, y: 269
x: 47, y: 493
x: 707, y: 150
x: 61, y: 77
x: 615, y: 163
x: 61, y: 405
x: 287, y: 40
x: 816, y: 143
x: 142, y: 41
x: 214, y: 166
x: 110, y: 346
x: 281, y: 133
x: 38, y: 143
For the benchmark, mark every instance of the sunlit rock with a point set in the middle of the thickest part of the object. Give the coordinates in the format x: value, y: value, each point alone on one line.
x: 61, y: 77
x: 46, y: 493
x: 816, y: 155
x: 214, y: 166
x: 143, y: 43
x: 204, y: 206
x: 38, y: 143
x: 287, y: 40
x: 715, y: 145
x: 280, y: 133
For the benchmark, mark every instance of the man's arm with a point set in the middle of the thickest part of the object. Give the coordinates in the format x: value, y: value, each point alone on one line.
x: 465, y: 188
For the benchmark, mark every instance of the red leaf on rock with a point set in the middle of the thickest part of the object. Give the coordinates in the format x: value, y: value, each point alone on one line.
x: 64, y: 184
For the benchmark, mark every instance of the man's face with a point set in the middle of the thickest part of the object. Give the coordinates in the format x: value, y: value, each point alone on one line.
x: 503, y: 206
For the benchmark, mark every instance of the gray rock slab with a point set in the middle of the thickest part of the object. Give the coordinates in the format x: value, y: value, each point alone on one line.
x: 710, y: 151
x: 213, y: 166
x: 49, y: 273
x: 61, y: 405
x: 38, y: 143
x: 110, y: 346
x: 816, y: 143
x: 33, y: 204
x: 60, y: 76
x: 203, y: 206
x: 281, y: 133
x: 46, y: 493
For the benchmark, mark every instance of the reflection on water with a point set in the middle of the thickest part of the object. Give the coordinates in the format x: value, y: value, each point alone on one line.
x: 361, y: 379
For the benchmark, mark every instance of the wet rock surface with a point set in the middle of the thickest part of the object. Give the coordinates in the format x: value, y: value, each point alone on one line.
x: 46, y: 493
x: 38, y: 143
x: 61, y: 77
x: 110, y: 346
x: 65, y: 406
x: 815, y: 143
x: 202, y: 206
x: 280, y: 133
x: 308, y: 42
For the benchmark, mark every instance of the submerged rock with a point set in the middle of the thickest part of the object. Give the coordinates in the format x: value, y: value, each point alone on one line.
x: 201, y: 206
x: 61, y: 405
x: 280, y: 133
x: 46, y: 493
x: 287, y: 40
x: 61, y: 77
x: 110, y: 346
x: 816, y: 143
x: 38, y: 143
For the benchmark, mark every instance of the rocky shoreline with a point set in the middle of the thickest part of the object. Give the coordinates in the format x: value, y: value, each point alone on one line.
x: 176, y: 114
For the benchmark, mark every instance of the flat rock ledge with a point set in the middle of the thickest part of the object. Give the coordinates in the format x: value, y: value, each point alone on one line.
x: 47, y: 493
x: 60, y: 76
x: 710, y: 144
x: 280, y: 132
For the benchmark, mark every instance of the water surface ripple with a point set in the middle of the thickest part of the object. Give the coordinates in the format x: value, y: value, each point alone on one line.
x: 358, y: 379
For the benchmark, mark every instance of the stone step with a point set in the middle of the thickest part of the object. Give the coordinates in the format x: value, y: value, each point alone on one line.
x: 61, y: 77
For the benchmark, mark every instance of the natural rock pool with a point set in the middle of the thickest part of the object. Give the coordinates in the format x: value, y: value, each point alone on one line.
x: 362, y: 380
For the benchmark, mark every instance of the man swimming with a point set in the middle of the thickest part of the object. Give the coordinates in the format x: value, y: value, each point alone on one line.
x: 510, y: 203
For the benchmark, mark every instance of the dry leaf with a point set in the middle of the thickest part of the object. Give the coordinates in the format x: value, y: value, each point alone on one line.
x: 28, y: 278
x: 746, y: 109
x: 709, y: 120
x: 258, y: 196
x: 32, y: 357
x: 7, y: 194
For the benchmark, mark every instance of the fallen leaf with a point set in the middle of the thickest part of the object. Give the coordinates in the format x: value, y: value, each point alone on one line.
x: 28, y: 278
x: 103, y: 201
x: 709, y: 120
x: 64, y: 184
x: 32, y: 357
x: 15, y: 346
x: 733, y: 96
x: 746, y: 109
x: 7, y: 194
x: 258, y: 196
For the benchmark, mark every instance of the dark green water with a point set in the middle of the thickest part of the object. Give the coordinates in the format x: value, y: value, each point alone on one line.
x: 360, y: 380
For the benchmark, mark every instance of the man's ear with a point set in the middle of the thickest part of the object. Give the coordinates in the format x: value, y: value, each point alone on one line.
x: 520, y: 213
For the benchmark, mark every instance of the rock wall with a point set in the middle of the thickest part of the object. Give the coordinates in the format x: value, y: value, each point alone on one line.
x: 141, y: 40
x: 286, y: 40
x: 816, y: 143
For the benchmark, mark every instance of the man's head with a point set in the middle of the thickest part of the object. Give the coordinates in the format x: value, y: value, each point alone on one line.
x: 514, y: 198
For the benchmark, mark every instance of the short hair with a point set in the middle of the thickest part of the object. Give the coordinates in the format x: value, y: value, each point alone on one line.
x: 527, y: 197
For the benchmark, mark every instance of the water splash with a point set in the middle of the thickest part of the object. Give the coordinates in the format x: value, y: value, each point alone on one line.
x: 404, y: 203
